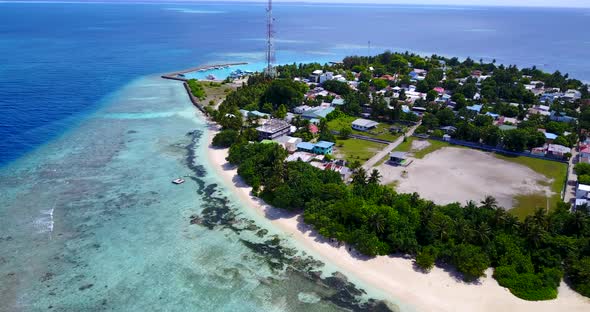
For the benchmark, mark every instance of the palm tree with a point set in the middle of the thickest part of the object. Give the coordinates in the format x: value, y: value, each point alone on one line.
x: 484, y: 232
x: 360, y: 177
x: 489, y: 202
x: 375, y: 177
x: 377, y: 221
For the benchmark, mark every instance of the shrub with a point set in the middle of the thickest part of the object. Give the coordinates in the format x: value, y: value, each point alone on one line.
x: 582, y: 169
x: 426, y: 258
x: 225, y: 138
x: 345, y: 132
x: 529, y: 286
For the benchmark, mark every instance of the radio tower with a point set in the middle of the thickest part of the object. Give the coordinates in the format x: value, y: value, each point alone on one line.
x: 270, y: 49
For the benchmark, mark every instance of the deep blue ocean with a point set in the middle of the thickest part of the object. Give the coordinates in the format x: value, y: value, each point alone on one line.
x: 59, y: 61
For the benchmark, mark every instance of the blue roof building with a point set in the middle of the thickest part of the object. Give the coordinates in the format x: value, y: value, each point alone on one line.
x: 317, y: 113
x: 305, y: 147
x: 495, y: 116
x: 475, y: 108
x: 323, y: 148
x: 320, y: 148
x: 550, y: 136
x: 338, y: 102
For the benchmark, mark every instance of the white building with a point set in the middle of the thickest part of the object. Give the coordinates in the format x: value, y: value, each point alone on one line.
x: 364, y: 124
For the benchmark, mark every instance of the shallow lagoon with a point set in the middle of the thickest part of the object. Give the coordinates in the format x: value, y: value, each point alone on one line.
x: 91, y: 222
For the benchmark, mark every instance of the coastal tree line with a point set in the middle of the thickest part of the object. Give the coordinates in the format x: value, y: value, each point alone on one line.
x: 529, y: 257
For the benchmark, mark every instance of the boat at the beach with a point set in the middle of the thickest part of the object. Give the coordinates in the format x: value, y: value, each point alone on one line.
x: 211, y: 77
x: 178, y: 181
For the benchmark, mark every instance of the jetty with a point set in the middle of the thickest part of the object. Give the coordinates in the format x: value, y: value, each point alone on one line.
x: 179, y: 75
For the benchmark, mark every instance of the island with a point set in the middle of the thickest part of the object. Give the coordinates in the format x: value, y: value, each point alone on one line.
x: 460, y: 165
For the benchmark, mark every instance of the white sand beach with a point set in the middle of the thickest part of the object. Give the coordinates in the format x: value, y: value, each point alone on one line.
x: 438, y: 290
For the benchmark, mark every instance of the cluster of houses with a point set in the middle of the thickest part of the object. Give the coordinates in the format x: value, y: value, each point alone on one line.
x: 278, y: 131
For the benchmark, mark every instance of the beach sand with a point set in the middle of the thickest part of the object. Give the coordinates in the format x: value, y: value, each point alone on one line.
x: 439, y: 290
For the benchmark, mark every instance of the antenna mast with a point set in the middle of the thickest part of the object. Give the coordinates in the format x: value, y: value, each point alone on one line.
x: 270, y: 50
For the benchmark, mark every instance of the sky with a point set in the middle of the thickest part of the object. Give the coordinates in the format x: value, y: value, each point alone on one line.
x: 527, y: 3
x: 518, y: 3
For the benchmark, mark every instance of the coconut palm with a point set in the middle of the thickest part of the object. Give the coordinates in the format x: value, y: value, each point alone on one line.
x: 375, y: 177
x: 489, y: 202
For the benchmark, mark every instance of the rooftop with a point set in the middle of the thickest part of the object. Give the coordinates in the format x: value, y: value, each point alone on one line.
x: 324, y: 144
x: 365, y: 123
x: 398, y: 155
x: 305, y: 146
x: 274, y: 125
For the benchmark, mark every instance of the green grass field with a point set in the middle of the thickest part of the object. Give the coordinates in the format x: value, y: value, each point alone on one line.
x: 556, y: 178
x: 355, y: 149
x: 380, y: 132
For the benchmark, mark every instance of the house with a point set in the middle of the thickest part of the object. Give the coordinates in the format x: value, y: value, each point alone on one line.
x: 561, y: 117
x: 539, y: 151
x: 337, y: 102
x: 257, y: 114
x: 550, y: 137
x: 323, y: 148
x: 439, y: 90
x: 398, y: 158
x: 301, y: 156
x: 317, y: 113
x: 313, y: 129
x: 572, y: 95
x: 585, y: 154
x: 302, y: 109
x: 549, y: 97
x: 583, y: 191
x: 364, y: 124
x: 559, y: 151
x: 273, y: 128
x: 495, y: 116
x: 418, y: 74
x: 318, y: 76
x: 448, y: 129
x: 418, y: 110
x: 305, y: 147
x: 475, y: 108
x: 288, y: 143
x: 320, y: 148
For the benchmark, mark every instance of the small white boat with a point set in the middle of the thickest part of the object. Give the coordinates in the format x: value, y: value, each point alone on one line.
x: 178, y: 181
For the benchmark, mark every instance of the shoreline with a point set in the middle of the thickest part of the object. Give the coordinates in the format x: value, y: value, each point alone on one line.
x: 394, y: 276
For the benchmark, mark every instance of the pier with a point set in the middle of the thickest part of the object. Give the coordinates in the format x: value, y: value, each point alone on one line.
x: 175, y: 75
x: 194, y: 100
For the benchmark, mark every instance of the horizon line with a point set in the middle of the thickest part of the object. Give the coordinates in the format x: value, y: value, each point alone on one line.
x: 321, y: 2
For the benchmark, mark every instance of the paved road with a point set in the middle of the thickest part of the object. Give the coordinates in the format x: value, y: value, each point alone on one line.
x: 385, y: 152
x: 572, y: 178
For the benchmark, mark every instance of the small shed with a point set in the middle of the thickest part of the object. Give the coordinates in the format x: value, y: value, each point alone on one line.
x: 398, y: 158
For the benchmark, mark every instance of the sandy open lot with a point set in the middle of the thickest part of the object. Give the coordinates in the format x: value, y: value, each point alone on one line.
x: 459, y: 175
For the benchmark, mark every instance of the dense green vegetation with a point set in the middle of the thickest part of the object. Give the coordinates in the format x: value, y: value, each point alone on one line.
x: 529, y: 257
x: 196, y: 89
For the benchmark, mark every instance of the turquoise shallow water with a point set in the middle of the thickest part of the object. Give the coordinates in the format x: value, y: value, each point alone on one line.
x: 91, y: 222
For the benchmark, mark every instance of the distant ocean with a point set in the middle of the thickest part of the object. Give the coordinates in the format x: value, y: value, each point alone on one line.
x: 90, y: 138
x: 59, y: 61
